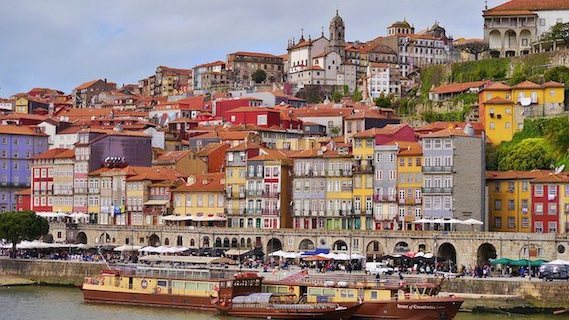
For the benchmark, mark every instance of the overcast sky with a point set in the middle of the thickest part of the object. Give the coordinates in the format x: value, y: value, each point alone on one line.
x: 60, y: 44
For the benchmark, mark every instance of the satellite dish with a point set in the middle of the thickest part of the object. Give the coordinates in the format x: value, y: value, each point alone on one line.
x: 559, y: 169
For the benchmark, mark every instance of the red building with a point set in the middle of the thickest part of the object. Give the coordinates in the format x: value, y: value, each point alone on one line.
x: 262, y: 117
x: 214, y: 155
x: 42, y: 180
x: 221, y: 107
x: 391, y: 132
x: 24, y: 200
x: 545, y: 194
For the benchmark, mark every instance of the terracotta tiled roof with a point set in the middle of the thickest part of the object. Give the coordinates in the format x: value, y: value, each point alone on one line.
x: 88, y: 84
x: 252, y: 109
x: 24, y: 192
x: 207, y: 182
x: 527, y: 85
x: 553, y: 84
x: 407, y: 148
x: 112, y: 132
x: 562, y: 177
x: 527, y: 6
x: 389, y: 129
x: 71, y: 130
x: 497, y: 86
x: 20, y: 130
x: 366, y: 114
x: 211, y: 64
x: 254, y: 54
x: 211, y: 147
x: 50, y: 154
x: 155, y: 174
x: 499, y: 100
x: 516, y: 174
x: 271, y: 154
x: 457, y: 87
x: 171, y: 156
x: 440, y: 125
x: 234, y: 135
x: 509, y: 13
x: 245, y: 146
x: 446, y: 133
x: 23, y: 116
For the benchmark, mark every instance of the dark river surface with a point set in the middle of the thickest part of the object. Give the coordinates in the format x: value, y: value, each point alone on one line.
x: 54, y: 303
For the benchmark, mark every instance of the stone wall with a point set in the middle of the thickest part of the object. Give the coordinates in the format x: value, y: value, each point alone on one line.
x: 536, y: 292
x: 52, y: 272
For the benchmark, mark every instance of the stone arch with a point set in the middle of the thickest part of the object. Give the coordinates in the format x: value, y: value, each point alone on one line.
x: 205, y: 242
x: 339, y: 245
x: 447, y: 252
x: 273, y: 245
x: 166, y: 241
x: 401, y: 247
x: 234, y: 243
x: 192, y: 243
x: 81, y: 237
x: 373, y: 250
x: 226, y: 242
x: 242, y: 242
x: 306, y: 244
x: 217, y: 243
x: 525, y: 34
x: 510, y: 40
x: 154, y: 240
x: 422, y: 247
x: 249, y: 243
x: 104, y: 238
x: 179, y: 241
x: 49, y: 238
x: 495, y: 39
x: 485, y: 252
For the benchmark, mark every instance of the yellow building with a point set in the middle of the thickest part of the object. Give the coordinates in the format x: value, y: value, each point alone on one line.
x: 509, y: 199
x: 63, y: 164
x: 500, y: 123
x: 503, y: 109
x: 201, y: 201
x: 363, y: 149
x: 21, y: 105
x: 339, y: 192
x: 409, y: 182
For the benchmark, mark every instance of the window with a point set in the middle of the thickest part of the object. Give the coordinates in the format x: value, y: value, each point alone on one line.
x: 538, y: 227
x: 525, y: 205
x: 552, y: 226
x: 552, y: 209
x: 525, y: 222
x: 538, y: 208
x: 428, y: 144
x: 402, y: 162
x: 511, y: 222
x: 508, y: 125
x: 492, y: 125
x: 538, y: 190
x: 418, y: 162
x: 542, y: 22
x: 497, y: 204
x: 392, y: 175
x: 511, y: 205
x: 497, y: 222
x: 525, y: 185
x: 551, y: 192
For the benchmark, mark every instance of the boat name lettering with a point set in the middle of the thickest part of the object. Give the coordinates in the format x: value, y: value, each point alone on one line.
x: 416, y: 307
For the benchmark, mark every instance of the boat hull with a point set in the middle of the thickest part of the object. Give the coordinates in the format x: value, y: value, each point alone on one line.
x: 291, y: 314
x: 153, y: 300
x: 411, y: 309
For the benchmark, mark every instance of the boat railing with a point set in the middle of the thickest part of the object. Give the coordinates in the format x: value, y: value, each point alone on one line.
x: 177, y: 273
x: 284, y: 306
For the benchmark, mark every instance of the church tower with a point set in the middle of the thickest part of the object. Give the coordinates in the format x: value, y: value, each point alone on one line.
x: 337, y: 35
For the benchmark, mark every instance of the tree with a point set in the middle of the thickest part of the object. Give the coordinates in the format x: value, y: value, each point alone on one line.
x: 336, y: 96
x: 335, y: 131
x: 382, y: 102
x: 259, y: 76
x: 559, y: 74
x: 559, y: 31
x: 529, y: 154
x: 559, y: 137
x: 357, y: 96
x: 18, y: 226
x: 474, y: 47
x: 346, y: 90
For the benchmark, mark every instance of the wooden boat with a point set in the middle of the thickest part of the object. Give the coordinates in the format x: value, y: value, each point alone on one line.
x: 242, y: 297
x: 179, y: 288
x: 399, y: 300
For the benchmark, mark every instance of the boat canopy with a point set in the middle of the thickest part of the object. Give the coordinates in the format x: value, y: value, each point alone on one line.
x: 260, y: 297
x: 188, y: 259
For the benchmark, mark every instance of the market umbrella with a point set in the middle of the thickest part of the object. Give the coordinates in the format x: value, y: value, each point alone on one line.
x: 502, y: 261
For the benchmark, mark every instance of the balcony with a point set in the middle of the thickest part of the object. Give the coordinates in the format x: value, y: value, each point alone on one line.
x: 254, y: 193
x: 271, y: 194
x: 270, y: 212
x: 437, y: 169
x: 437, y: 190
x: 362, y: 170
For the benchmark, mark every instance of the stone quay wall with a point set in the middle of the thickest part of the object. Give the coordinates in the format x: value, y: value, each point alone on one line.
x: 52, y: 272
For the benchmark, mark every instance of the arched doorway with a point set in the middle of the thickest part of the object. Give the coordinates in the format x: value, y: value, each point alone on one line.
x: 226, y: 242
x: 166, y: 242
x: 217, y: 243
x: 495, y: 40
x: 274, y: 245
x: 49, y: 238
x: 249, y: 243
x: 510, y: 40
x: 485, y: 252
x: 154, y: 240
x: 339, y: 245
x: 82, y: 237
x: 192, y: 243
x: 373, y: 251
x: 306, y: 245
x: 401, y: 247
x: 179, y: 241
x: 205, y: 242
x: 234, y: 243
x: 446, y: 255
x: 242, y: 242
x: 104, y: 238
x: 525, y: 39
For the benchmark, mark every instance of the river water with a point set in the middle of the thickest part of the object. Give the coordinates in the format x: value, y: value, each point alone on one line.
x: 53, y: 303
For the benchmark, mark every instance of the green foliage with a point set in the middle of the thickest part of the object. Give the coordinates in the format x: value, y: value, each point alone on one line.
x: 559, y: 31
x: 559, y: 74
x: 432, y: 116
x: 346, y: 90
x: 558, y: 135
x: 383, y: 102
x: 532, y: 153
x: 530, y: 67
x: 336, y: 96
x: 335, y: 131
x: 489, y: 69
x: 357, y: 96
x: 466, y: 98
x: 432, y: 76
x: 402, y: 106
x: 259, y: 76
x: 18, y: 226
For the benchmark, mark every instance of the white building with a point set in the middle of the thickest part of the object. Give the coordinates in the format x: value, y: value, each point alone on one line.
x: 510, y: 28
x: 383, y: 79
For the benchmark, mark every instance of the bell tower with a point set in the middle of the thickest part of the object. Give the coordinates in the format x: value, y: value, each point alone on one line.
x: 337, y: 35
